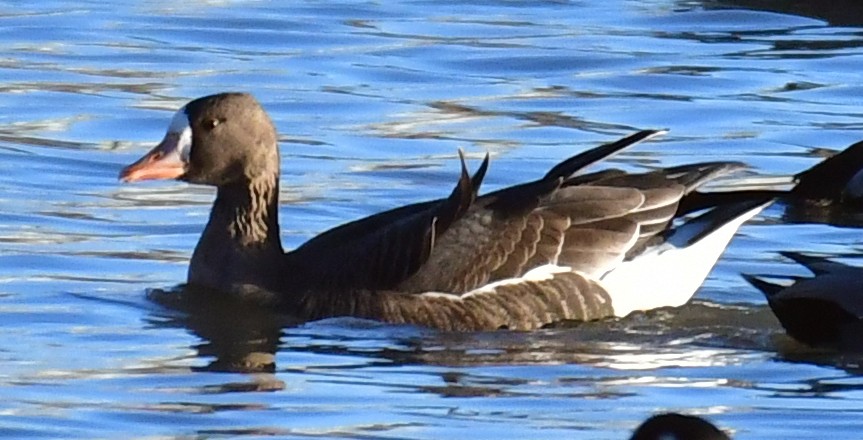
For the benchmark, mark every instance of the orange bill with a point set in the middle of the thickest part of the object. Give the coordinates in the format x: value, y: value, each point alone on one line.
x: 165, y: 161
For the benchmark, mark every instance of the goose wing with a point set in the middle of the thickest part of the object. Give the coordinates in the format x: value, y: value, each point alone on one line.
x: 589, y: 223
x: 398, y: 249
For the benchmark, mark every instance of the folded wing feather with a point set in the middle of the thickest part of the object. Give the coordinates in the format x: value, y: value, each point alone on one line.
x: 517, y: 258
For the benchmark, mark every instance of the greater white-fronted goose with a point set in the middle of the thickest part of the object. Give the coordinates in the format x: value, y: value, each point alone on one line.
x: 567, y: 246
x: 674, y: 426
x: 822, y: 311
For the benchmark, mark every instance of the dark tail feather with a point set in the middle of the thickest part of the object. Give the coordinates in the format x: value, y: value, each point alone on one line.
x: 697, y: 228
x: 518, y: 198
x: 575, y: 163
x: 694, y: 175
x: 461, y: 197
x: 697, y: 200
x: 479, y: 175
x: 689, y: 176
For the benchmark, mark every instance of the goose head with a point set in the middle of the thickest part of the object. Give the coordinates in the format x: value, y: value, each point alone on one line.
x: 216, y: 140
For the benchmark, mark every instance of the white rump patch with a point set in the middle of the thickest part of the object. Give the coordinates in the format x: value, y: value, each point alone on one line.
x: 668, y: 276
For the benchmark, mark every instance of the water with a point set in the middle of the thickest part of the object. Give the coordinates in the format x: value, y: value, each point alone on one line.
x: 372, y: 101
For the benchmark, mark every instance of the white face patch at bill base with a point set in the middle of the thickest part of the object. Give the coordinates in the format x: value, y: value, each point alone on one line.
x: 183, y: 131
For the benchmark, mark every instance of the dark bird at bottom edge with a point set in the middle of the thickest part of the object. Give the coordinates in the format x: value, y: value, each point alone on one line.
x: 674, y: 426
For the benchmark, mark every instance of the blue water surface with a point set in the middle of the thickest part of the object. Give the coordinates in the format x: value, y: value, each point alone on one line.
x: 372, y: 101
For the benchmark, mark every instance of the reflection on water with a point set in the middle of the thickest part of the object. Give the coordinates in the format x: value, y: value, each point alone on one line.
x: 663, y: 352
x: 236, y: 336
x: 243, y: 338
x: 438, y: 120
x: 373, y: 101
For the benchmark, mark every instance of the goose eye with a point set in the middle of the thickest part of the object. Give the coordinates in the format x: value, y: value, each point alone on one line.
x: 211, y: 123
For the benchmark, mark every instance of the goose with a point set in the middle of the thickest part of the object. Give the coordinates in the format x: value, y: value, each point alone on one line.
x: 674, y: 426
x: 567, y: 246
x: 825, y: 310
x: 837, y: 179
x: 821, y: 311
x: 831, y: 191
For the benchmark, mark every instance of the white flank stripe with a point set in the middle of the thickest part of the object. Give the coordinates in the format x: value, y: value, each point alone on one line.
x: 541, y: 273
